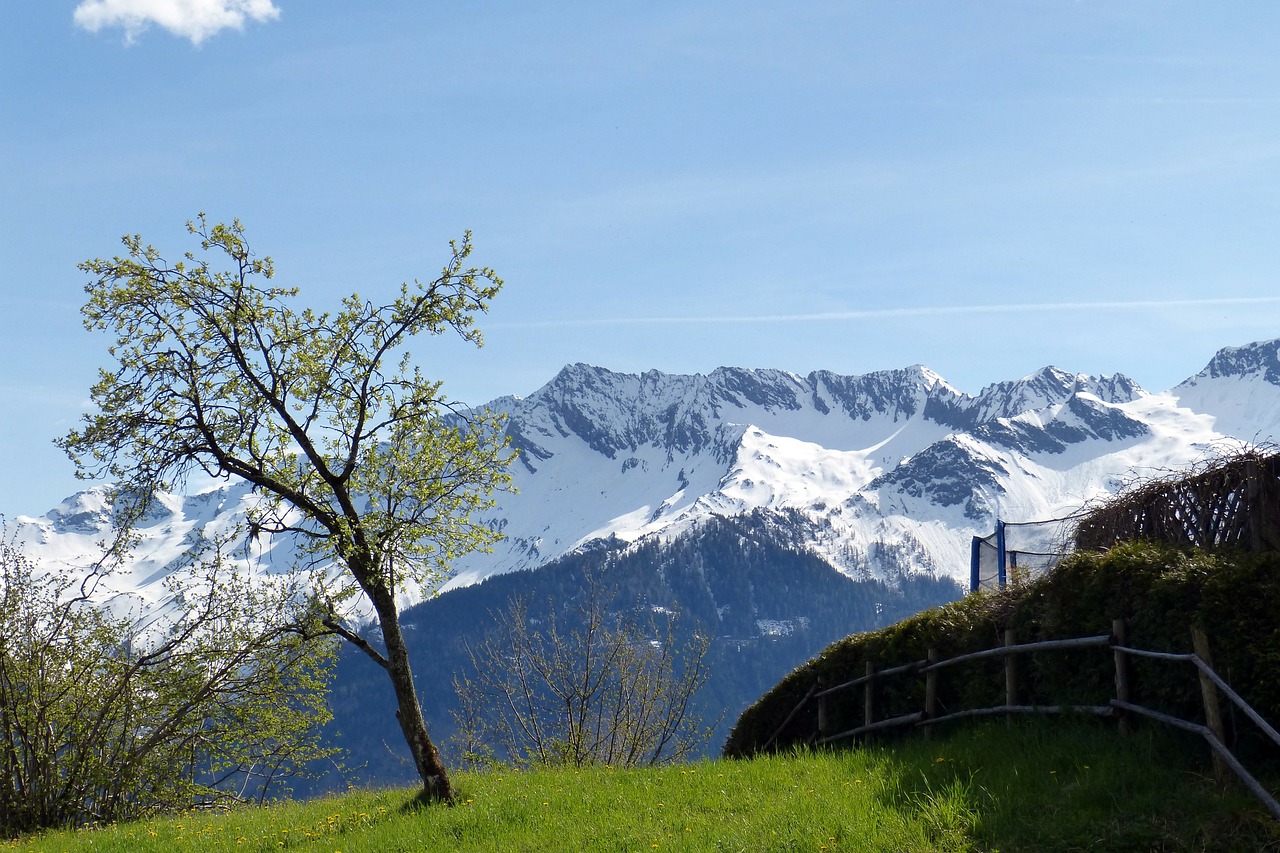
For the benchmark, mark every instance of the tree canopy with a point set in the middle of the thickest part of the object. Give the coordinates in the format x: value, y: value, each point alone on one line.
x: 354, y: 452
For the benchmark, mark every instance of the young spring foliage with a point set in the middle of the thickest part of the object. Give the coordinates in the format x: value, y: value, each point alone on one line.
x: 100, y: 721
x: 355, y: 453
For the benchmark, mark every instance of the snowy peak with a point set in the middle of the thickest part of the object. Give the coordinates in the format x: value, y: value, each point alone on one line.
x: 1047, y: 387
x: 957, y: 471
x: 1240, y: 389
x: 1260, y: 360
x: 1054, y: 428
x: 84, y: 513
x: 1116, y: 388
x: 617, y: 413
x: 896, y: 394
x: 770, y: 390
x: 654, y: 452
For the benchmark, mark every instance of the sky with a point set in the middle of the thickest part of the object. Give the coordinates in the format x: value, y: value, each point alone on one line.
x: 984, y: 188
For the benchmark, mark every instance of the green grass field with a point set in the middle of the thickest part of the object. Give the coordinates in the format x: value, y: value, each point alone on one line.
x: 1035, y: 786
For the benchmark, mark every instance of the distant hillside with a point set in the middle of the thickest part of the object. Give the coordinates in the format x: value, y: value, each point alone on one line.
x: 765, y: 607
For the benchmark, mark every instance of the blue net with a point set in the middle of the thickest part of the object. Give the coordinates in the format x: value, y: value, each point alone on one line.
x: 1017, y: 551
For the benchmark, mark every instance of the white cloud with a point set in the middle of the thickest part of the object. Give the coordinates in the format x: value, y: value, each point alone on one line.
x: 193, y: 19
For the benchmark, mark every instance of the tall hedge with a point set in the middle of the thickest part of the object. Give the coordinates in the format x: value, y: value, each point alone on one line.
x: 1160, y: 592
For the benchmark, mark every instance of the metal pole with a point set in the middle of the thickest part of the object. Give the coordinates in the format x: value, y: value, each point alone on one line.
x: 1000, y: 554
x: 975, y: 564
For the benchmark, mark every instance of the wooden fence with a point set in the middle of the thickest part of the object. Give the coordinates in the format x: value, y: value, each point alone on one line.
x: 1121, y: 705
x: 1234, y: 504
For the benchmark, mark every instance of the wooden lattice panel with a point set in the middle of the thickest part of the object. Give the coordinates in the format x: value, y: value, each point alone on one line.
x: 1234, y: 504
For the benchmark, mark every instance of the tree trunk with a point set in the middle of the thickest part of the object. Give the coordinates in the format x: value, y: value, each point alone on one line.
x: 435, y: 779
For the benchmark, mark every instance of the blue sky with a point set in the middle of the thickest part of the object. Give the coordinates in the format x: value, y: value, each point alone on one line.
x: 985, y: 188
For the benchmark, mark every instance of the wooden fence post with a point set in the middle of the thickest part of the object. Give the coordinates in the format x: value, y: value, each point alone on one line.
x: 1010, y: 673
x: 931, y: 692
x: 1212, y: 712
x: 1119, y: 637
x: 1254, y: 505
x: 824, y: 726
x: 869, y: 695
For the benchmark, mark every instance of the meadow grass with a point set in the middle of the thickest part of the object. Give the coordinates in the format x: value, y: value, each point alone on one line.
x: 1036, y: 786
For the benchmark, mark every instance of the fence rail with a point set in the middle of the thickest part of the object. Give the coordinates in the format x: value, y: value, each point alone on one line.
x: 1121, y: 704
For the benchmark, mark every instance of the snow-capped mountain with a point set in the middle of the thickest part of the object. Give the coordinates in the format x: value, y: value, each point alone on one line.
x: 881, y: 474
x: 893, y: 471
x: 1239, y: 390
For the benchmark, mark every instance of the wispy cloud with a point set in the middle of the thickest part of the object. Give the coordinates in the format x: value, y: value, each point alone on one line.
x: 193, y: 19
x: 915, y: 311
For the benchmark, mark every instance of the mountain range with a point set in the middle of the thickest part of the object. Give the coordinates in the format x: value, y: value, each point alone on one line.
x: 881, y: 474
x: 879, y: 481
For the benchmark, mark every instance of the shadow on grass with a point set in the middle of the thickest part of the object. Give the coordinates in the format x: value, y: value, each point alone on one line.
x: 422, y: 801
x: 1073, y: 785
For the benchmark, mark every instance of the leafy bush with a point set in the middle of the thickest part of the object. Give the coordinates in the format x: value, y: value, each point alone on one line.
x: 1160, y: 591
x: 99, y: 722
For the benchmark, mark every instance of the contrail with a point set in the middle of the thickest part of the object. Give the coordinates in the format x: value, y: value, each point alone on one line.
x: 880, y: 313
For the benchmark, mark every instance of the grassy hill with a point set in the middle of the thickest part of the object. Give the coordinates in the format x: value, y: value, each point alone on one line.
x: 1033, y: 787
x: 1061, y: 784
